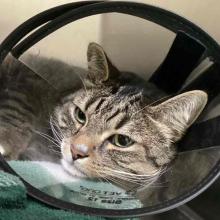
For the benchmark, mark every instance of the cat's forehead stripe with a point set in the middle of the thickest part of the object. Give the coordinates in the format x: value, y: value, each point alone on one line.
x: 99, y: 104
x: 121, y: 122
x: 93, y: 100
x: 114, y: 114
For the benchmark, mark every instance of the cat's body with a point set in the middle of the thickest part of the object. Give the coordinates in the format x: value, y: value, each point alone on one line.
x: 107, y: 124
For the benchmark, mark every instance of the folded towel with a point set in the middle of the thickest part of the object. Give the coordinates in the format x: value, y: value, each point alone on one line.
x: 12, y: 191
x: 38, y: 211
x: 15, y: 205
x: 53, y: 180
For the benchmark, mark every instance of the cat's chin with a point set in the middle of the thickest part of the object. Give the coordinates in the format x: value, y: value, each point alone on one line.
x: 71, y: 169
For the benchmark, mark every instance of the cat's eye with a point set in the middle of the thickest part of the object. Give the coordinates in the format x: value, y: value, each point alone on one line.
x: 121, y: 140
x: 80, y: 116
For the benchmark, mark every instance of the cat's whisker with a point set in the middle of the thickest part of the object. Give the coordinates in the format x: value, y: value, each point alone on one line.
x: 148, y: 105
x: 101, y: 176
x: 59, y: 133
x: 102, y: 173
x: 133, y: 174
x: 159, y: 100
x: 54, y: 151
x: 55, y: 132
x: 41, y: 133
x: 121, y: 182
x: 119, y: 177
x: 130, y: 175
x: 154, y: 179
x: 139, y: 111
x: 137, y: 180
x: 112, y: 179
x: 56, y: 137
x: 83, y: 83
x: 55, y: 148
x: 141, y: 182
x: 48, y: 138
x: 58, y: 127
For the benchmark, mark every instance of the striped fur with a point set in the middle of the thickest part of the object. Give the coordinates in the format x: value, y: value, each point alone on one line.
x: 113, y: 103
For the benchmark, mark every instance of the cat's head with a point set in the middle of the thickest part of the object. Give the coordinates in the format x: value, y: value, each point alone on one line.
x: 112, y: 131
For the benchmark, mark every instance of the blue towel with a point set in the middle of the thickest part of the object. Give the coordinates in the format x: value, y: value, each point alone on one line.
x: 15, y: 205
x: 12, y: 191
x: 53, y: 180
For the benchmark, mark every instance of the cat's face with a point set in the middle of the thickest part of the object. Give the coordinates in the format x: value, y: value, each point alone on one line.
x: 105, y: 133
x: 111, y: 131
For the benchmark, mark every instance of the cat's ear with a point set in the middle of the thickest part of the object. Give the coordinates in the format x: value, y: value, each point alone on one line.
x: 100, y: 68
x: 179, y: 112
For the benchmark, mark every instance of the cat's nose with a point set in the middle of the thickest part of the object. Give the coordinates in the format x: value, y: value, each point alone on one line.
x: 79, y: 151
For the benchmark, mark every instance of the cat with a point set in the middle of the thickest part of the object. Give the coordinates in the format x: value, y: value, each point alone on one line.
x: 114, y: 126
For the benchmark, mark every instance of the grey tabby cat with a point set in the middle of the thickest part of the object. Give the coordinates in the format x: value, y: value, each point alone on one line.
x: 114, y: 126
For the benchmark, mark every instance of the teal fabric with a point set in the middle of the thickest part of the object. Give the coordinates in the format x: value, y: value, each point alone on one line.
x: 12, y: 191
x: 15, y: 204
x: 53, y: 180
x: 37, y: 211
